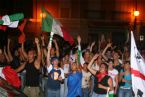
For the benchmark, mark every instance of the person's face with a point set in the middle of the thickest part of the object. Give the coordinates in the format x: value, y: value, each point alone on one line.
x: 126, y: 66
x: 74, y: 67
x: 55, y: 63
x: 108, y: 53
x: 31, y: 55
x: 87, y: 55
x: 85, y: 66
x: 115, y: 56
x: 110, y: 64
x: 102, y: 68
x: 66, y: 57
x: 99, y: 60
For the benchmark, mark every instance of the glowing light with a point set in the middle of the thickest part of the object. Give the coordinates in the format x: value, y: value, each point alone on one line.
x: 136, y: 13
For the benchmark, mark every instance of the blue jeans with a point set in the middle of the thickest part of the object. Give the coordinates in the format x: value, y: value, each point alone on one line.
x: 62, y: 90
x: 23, y: 77
x: 125, y: 93
x: 65, y: 87
x: 52, y: 93
x: 43, y: 83
x: 92, y: 86
x: 85, y: 92
x: 98, y: 95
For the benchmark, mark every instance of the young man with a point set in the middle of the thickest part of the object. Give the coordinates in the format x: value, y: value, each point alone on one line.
x: 32, y: 67
x: 55, y: 76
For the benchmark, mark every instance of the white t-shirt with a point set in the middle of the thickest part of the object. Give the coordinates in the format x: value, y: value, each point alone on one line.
x: 85, y: 79
x: 55, y: 74
x: 66, y: 68
x: 112, y: 74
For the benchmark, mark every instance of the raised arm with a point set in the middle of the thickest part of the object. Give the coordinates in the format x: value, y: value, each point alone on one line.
x: 48, y: 55
x: 9, y: 52
x: 38, y: 60
x: 21, y: 67
x: 80, y: 57
x: 7, y: 58
x: 24, y: 52
x: 57, y: 48
x: 43, y: 46
x: 110, y: 83
x: 91, y: 63
x: 104, y: 51
x: 92, y: 45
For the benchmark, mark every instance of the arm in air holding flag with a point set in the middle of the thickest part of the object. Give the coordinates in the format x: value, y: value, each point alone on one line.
x: 80, y: 57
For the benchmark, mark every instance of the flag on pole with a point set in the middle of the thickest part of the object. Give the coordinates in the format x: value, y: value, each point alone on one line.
x: 2, y: 27
x: 11, y: 20
x: 80, y: 56
x: 137, y: 70
x: 50, y: 24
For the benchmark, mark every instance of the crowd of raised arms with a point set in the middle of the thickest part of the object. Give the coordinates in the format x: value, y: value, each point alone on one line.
x: 91, y: 72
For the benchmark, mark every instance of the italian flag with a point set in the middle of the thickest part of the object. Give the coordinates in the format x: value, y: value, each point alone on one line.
x: 11, y: 20
x: 50, y: 24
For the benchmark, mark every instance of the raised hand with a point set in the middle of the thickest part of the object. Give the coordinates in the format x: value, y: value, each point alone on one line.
x: 95, y: 56
x: 93, y: 43
x: 36, y: 40
x: 109, y: 44
x: 79, y: 39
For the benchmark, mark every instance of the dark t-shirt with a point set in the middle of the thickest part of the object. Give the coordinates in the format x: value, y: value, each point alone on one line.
x: 32, y: 75
x: 104, y: 82
x: 53, y: 83
x: 118, y: 68
x: 15, y: 63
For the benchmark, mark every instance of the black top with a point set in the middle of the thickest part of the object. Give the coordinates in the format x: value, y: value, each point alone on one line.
x: 118, y: 68
x: 52, y: 83
x: 103, y: 82
x: 15, y: 63
x: 32, y: 75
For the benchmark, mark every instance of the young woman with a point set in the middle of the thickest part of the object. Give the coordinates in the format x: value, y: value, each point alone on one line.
x: 113, y: 73
x: 85, y: 80
x: 125, y: 81
x: 102, y: 82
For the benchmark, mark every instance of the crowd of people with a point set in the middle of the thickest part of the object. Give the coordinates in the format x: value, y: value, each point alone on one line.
x: 78, y: 73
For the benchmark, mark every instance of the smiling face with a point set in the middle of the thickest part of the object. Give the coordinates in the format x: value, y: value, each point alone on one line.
x: 103, y: 68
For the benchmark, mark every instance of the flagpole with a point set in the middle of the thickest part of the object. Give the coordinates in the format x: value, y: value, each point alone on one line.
x: 50, y: 39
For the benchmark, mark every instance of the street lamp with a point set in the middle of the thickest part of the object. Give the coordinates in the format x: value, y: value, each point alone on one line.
x: 136, y: 13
